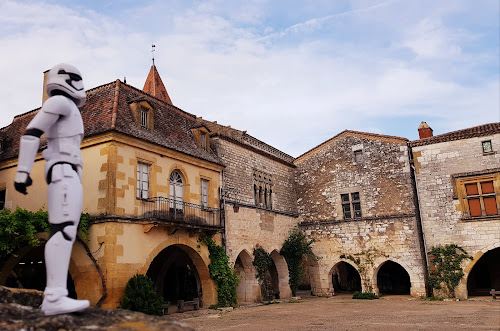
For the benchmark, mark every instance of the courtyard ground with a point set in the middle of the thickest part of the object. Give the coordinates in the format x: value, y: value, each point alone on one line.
x: 343, y: 313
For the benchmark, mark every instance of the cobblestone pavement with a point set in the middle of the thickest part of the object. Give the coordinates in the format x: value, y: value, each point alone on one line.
x: 344, y: 313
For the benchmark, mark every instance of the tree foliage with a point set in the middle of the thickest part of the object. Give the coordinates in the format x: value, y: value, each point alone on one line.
x: 295, y: 249
x: 140, y: 295
x: 445, y: 270
x: 221, y: 272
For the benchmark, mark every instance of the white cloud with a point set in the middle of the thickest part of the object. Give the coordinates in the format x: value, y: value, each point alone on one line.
x: 293, y: 90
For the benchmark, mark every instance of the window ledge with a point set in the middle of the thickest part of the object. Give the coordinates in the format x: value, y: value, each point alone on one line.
x: 489, y: 153
x: 480, y: 218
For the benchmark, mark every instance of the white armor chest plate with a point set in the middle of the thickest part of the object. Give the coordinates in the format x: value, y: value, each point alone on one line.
x: 64, y: 139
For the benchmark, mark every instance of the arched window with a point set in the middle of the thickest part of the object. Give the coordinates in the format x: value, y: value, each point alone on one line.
x: 255, y: 195
x: 176, y: 190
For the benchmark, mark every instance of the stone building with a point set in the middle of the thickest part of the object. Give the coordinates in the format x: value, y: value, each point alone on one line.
x: 458, y: 182
x: 356, y: 200
x: 152, y: 186
x: 259, y: 205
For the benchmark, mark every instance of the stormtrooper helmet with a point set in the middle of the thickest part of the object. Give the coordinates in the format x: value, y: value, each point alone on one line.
x: 67, y: 79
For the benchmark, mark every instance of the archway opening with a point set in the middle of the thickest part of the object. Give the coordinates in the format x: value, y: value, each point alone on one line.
x: 345, y: 278
x: 485, y: 275
x: 30, y: 272
x: 175, y: 275
x: 392, y: 278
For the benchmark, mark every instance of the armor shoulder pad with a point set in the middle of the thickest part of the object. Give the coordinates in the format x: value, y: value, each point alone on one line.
x: 58, y: 105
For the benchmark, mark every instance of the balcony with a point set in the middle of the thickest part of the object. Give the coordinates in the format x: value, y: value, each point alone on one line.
x: 180, y: 213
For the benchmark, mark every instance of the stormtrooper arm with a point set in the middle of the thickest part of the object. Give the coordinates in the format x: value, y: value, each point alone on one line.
x: 28, y: 147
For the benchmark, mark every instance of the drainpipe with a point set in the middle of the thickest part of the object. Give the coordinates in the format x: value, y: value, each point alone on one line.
x: 413, y: 175
x: 222, y: 199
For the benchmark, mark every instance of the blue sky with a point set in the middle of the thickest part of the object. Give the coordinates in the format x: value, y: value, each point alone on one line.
x: 291, y: 73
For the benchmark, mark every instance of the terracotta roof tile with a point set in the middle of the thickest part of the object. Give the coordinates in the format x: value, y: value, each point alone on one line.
x: 172, y: 126
x: 476, y: 131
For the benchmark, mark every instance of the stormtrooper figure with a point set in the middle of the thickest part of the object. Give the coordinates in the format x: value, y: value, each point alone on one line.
x: 60, y: 120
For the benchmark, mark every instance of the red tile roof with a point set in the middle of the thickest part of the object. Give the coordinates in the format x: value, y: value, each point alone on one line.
x: 107, y: 109
x: 155, y: 87
x: 476, y: 131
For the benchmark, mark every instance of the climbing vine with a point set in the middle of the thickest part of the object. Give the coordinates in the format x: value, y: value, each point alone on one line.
x: 294, y: 250
x: 20, y: 227
x: 364, y: 262
x: 262, y: 261
x: 445, y: 270
x: 221, y: 272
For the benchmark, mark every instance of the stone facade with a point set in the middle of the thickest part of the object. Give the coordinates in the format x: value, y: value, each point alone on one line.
x: 374, y: 168
x: 248, y: 222
x: 444, y: 165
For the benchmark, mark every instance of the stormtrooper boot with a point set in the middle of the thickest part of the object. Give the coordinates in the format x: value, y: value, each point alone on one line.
x: 57, y: 255
x: 56, y: 301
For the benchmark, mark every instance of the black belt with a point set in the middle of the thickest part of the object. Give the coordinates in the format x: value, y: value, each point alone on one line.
x: 49, y: 173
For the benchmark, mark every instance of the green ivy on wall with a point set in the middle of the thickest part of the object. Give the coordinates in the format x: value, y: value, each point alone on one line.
x: 221, y: 272
x: 445, y: 270
x: 262, y: 261
x: 295, y: 249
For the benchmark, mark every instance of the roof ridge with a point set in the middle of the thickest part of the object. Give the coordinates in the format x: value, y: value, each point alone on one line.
x: 474, y: 131
x: 115, y: 104
x: 348, y: 131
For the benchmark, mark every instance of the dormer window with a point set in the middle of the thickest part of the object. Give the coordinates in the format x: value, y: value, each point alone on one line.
x: 143, y: 114
x: 201, y: 136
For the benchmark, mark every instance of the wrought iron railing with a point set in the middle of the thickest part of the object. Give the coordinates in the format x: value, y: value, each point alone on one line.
x: 183, y: 213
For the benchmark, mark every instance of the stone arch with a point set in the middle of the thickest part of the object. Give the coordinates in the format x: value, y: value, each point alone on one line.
x: 207, y: 291
x: 482, y: 273
x: 344, y: 277
x: 248, y: 288
x: 392, y: 277
x: 282, y: 271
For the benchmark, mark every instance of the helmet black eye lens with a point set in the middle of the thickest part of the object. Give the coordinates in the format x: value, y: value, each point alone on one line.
x: 71, y: 75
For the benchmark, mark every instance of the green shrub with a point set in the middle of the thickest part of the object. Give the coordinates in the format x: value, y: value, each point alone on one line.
x: 140, y: 295
x: 364, y: 295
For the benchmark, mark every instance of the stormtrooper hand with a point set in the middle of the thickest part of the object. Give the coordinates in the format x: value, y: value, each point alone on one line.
x: 22, y: 181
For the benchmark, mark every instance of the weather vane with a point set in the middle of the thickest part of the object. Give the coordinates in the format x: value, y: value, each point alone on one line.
x: 152, y: 52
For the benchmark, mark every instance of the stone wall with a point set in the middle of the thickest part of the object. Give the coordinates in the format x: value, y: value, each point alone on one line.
x: 240, y: 161
x: 387, y: 229
x: 439, y: 169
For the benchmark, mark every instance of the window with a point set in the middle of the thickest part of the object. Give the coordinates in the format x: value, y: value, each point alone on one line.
x: 144, y: 119
x: 480, y: 195
x: 487, y: 147
x: 262, y: 189
x: 142, y: 181
x: 2, y: 199
x: 204, y: 193
x: 481, y: 199
x: 358, y: 155
x: 351, y: 205
x: 203, y: 140
x: 176, y: 190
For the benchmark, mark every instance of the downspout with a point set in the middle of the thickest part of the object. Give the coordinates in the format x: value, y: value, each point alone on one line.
x: 423, y: 245
x: 223, y: 210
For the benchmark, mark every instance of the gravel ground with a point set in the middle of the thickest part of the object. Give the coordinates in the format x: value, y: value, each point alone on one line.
x: 343, y: 313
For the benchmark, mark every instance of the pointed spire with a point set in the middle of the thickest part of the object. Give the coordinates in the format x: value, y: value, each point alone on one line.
x: 154, y: 85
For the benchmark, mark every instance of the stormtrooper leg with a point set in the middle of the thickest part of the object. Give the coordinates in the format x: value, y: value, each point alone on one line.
x: 65, y: 206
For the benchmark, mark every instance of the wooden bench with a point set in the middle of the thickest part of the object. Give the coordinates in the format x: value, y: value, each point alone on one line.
x: 166, y: 305
x: 494, y: 293
x: 195, y: 303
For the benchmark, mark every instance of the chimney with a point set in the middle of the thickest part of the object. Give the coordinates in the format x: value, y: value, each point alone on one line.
x: 45, y: 96
x: 424, y: 130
